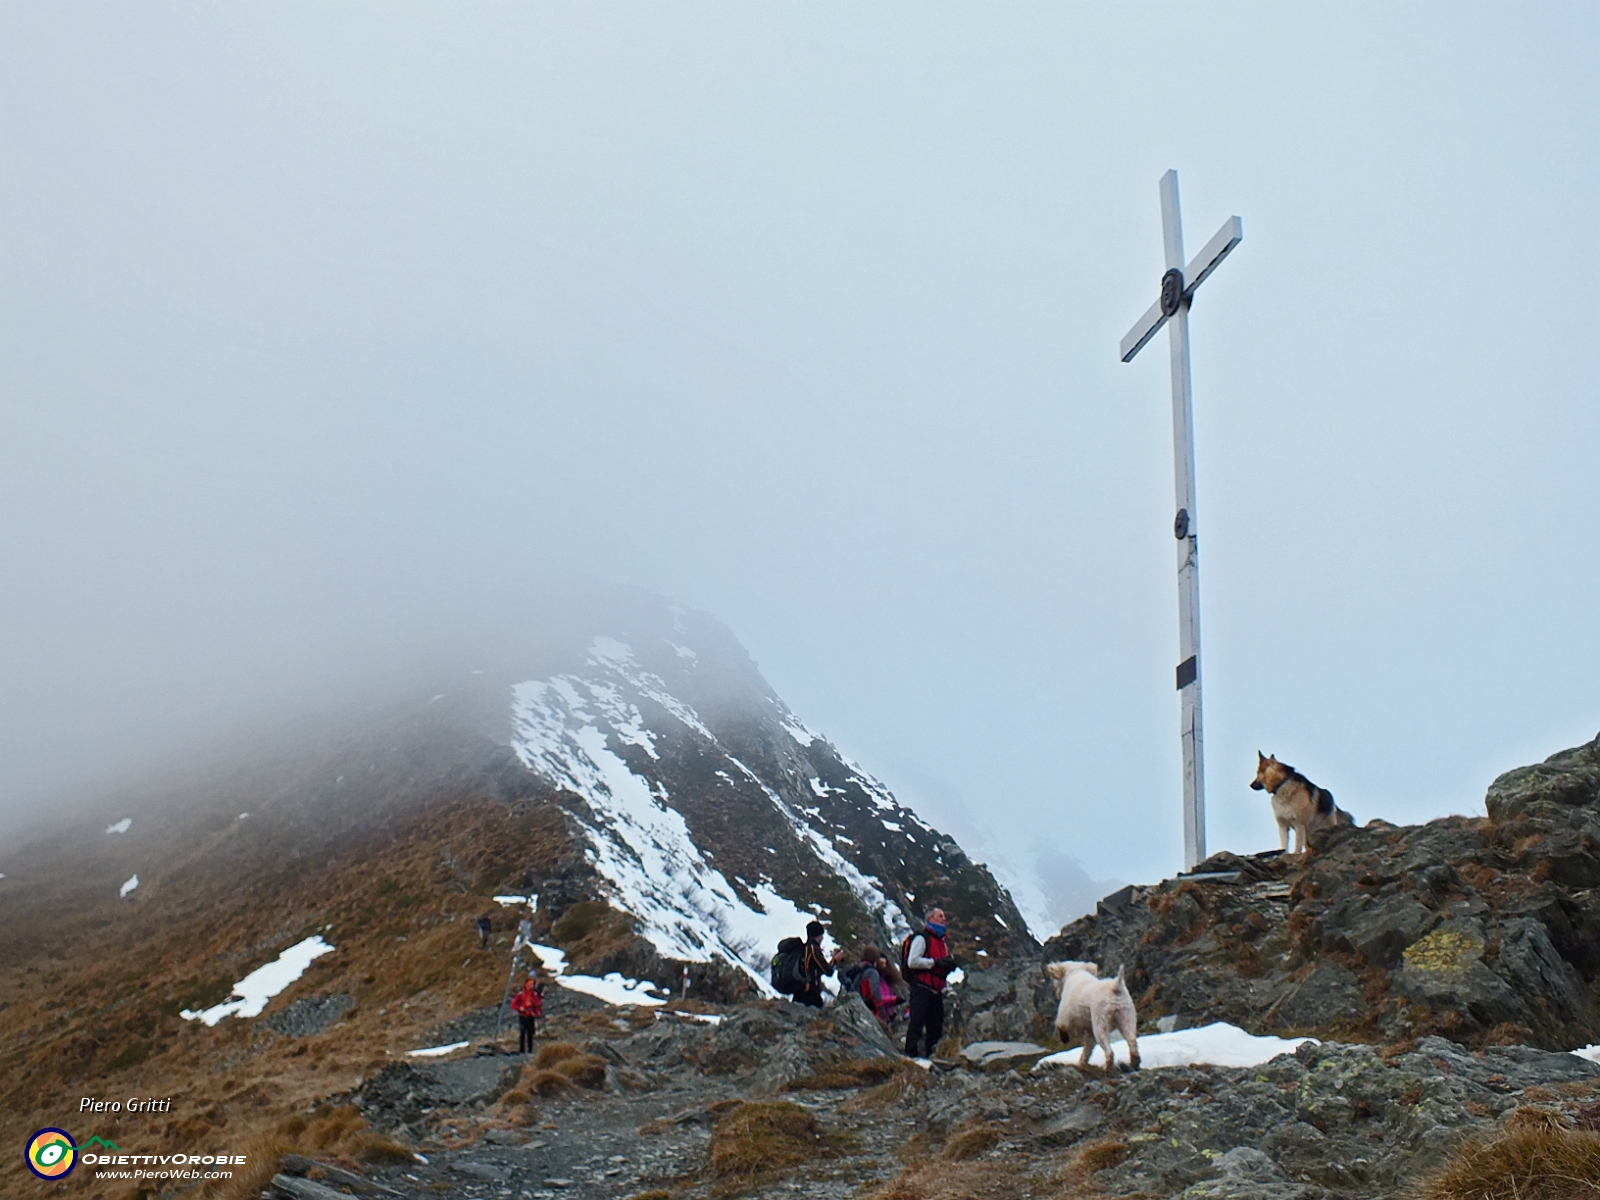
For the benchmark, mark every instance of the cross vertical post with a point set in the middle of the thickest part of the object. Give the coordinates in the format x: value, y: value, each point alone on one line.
x: 1172, y: 309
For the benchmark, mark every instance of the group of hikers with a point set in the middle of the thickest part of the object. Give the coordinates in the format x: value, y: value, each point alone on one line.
x: 917, y: 982
x: 920, y: 979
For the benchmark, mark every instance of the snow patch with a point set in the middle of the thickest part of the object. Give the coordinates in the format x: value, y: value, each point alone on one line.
x: 1217, y: 1045
x: 797, y: 731
x: 568, y: 730
x: 121, y: 826
x: 1592, y: 1053
x: 613, y: 988
x: 707, y: 1018
x: 129, y: 886
x: 437, y: 1051
x: 518, y: 901
x: 262, y: 984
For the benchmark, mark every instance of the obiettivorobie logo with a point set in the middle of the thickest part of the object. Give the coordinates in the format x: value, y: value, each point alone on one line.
x: 52, y: 1153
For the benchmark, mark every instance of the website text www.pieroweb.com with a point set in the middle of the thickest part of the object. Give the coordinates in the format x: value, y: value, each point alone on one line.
x: 55, y: 1154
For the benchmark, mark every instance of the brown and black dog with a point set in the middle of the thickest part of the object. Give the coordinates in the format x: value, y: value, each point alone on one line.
x: 1297, y: 803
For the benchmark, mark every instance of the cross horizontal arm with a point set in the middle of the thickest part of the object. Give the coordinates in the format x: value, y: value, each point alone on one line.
x: 1145, y: 328
x: 1200, y: 268
x: 1210, y: 258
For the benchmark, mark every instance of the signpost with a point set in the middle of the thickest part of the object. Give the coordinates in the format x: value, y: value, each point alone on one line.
x: 1172, y: 310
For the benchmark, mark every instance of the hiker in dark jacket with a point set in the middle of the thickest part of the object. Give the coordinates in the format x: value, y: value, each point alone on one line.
x: 928, y: 963
x: 814, y: 964
x: 485, y: 927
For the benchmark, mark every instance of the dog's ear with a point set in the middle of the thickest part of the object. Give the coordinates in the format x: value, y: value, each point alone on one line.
x: 1093, y: 969
x: 1261, y: 758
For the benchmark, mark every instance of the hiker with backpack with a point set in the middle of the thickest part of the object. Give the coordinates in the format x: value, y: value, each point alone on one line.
x: 927, y: 962
x: 816, y: 963
x: 873, y: 979
x: 798, y: 967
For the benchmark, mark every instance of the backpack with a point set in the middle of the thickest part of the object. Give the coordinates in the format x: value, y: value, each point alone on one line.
x: 905, y: 950
x: 850, y: 976
x: 786, y: 974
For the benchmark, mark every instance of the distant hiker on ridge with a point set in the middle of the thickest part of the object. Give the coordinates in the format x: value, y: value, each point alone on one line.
x: 927, y: 963
x: 528, y: 1004
x: 484, y: 927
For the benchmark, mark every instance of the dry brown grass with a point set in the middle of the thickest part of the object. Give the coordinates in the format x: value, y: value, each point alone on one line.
x: 1099, y: 1156
x: 855, y: 1072
x: 907, y: 1076
x: 969, y: 1143
x: 557, y: 1068
x: 951, y: 1181
x: 764, y: 1137
x: 586, y: 1070
x: 546, y: 1083
x: 407, y: 951
x: 339, y: 1135
x: 554, y: 1053
x: 1536, y: 1156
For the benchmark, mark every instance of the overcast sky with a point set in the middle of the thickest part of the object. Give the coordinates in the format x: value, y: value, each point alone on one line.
x: 325, y: 327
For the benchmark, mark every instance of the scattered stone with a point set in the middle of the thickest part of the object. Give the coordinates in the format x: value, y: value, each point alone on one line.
x: 312, y: 1015
x: 304, y: 1189
x: 296, y: 1164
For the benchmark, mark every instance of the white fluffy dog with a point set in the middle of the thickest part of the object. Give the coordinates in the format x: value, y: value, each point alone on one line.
x: 1093, y: 1007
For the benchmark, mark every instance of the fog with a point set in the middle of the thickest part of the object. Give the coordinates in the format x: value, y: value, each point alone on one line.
x: 333, y: 333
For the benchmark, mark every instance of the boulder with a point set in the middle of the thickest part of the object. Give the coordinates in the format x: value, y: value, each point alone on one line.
x: 1002, y: 1056
x: 1330, y: 994
x: 1565, y: 780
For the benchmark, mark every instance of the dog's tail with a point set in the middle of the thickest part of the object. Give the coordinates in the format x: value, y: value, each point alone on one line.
x: 1325, y: 804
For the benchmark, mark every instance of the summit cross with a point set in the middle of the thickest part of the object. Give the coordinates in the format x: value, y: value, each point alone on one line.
x: 1172, y: 310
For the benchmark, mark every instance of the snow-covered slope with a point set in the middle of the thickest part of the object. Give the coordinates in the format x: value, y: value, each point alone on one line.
x: 722, y: 824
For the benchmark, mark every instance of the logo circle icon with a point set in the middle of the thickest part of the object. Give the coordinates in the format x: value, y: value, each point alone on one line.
x: 52, y: 1154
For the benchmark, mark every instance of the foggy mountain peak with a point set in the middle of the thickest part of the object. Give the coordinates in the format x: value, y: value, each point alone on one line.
x: 718, y: 820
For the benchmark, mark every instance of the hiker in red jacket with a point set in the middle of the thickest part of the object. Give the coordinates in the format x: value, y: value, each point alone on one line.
x: 528, y: 1004
x: 927, y: 962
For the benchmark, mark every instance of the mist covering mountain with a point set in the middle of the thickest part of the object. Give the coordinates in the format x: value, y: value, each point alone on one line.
x: 685, y: 800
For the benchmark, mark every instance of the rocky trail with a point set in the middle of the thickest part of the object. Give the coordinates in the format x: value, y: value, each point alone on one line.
x: 780, y: 1100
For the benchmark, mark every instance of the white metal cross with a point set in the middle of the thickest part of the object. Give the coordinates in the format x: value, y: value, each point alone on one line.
x: 1172, y: 309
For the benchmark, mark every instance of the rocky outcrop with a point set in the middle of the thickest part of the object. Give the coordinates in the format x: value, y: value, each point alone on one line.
x: 1485, y: 930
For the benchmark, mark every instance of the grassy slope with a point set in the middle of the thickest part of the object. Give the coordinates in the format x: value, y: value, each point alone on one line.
x: 90, y: 986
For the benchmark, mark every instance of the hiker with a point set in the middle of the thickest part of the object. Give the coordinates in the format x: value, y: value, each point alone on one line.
x: 814, y: 964
x: 484, y: 926
x: 528, y: 1004
x: 891, y: 990
x: 927, y: 963
x: 870, y: 980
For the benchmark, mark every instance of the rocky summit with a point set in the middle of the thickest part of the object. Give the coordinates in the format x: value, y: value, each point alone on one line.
x: 1484, y: 930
